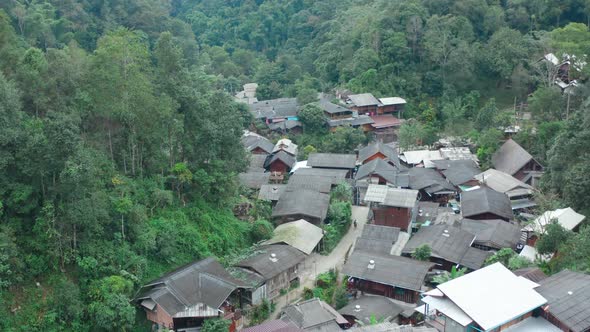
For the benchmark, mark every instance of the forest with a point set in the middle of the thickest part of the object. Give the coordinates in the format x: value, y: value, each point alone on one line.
x: 120, y: 139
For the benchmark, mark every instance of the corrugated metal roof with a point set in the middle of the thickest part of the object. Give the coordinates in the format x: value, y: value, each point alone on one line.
x: 510, y: 157
x: 299, y: 234
x: 286, y: 258
x: 332, y: 160
x: 363, y: 99
x: 485, y: 200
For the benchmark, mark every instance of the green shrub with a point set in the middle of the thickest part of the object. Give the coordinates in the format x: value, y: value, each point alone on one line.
x: 261, y: 230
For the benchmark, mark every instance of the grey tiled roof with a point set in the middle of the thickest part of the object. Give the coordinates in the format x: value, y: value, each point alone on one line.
x: 534, y: 274
x: 281, y: 155
x: 567, y: 295
x: 253, y: 180
x: 379, y: 306
x: 378, y: 232
x: 352, y: 121
x: 332, y: 160
x: 429, y: 180
x: 485, y: 200
x: 252, y: 141
x: 447, y: 242
x: 511, y: 157
x: 474, y: 258
x: 311, y: 182
x: 457, y: 172
x: 379, y: 147
x: 287, y: 257
x: 257, y: 163
x: 305, y: 202
x: 364, y: 99
x: 385, y: 170
x: 282, y: 107
x: 389, y: 270
x: 205, y: 281
x: 335, y: 175
x: 313, y: 315
x: 495, y: 233
x: 271, y: 192
x: 276, y: 325
x: 332, y: 108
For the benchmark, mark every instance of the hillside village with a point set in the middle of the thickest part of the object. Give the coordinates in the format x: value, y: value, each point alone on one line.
x: 429, y: 241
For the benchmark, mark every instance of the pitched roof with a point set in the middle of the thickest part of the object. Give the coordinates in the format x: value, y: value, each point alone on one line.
x: 474, y: 258
x: 336, y: 175
x: 261, y: 263
x: 253, y: 180
x: 331, y: 160
x: 305, y: 202
x: 363, y: 99
x: 378, y: 306
x: 313, y: 313
x: 282, y: 107
x: 281, y: 156
x: 310, y: 182
x: 284, y: 125
x: 457, y: 153
x: 377, y: 232
x: 567, y: 294
x: 447, y: 242
x: 419, y: 156
x: 286, y: 145
x: 388, y: 196
x: 332, y: 108
x: 392, y: 101
x: 276, y: 325
x: 504, y: 297
x: 271, y: 192
x: 510, y: 157
x: 204, y: 281
x: 457, y: 172
x: 485, y: 200
x: 378, y: 147
x: 252, y: 141
x: 429, y: 180
x: 533, y: 274
x: 383, y: 169
x: 389, y: 270
x: 299, y: 234
x: 495, y: 233
x: 504, y: 183
x: 257, y: 163
x: 362, y: 119
x: 567, y: 218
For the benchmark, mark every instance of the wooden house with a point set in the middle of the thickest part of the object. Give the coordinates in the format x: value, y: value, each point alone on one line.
x: 379, y: 150
x: 307, y: 204
x: 395, y: 277
x: 257, y: 144
x: 271, y: 269
x: 485, y: 203
x: 280, y: 162
x: 391, y: 105
x: 313, y: 315
x: 364, y: 103
x: 333, y: 161
x: 493, y: 234
x: 186, y: 297
x: 334, y: 111
x: 431, y: 185
x: 513, y: 159
x: 450, y: 247
x: 392, y: 207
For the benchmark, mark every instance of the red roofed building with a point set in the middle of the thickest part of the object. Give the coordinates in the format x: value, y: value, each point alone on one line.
x: 386, y: 127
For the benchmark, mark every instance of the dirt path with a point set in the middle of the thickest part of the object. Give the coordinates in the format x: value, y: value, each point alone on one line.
x: 316, y: 263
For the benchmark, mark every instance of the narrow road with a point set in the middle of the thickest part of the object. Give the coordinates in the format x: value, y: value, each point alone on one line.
x: 316, y: 264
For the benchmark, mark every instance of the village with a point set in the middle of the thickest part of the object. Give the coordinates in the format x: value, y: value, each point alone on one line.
x: 415, y: 254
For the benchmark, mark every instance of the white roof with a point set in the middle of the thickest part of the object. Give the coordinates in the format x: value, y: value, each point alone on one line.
x: 392, y: 101
x: 552, y: 58
x: 286, y: 145
x: 504, y: 183
x: 458, y: 153
x: 493, y: 295
x: 390, y: 196
x: 532, y: 254
x: 418, y: 156
x: 298, y: 165
x: 533, y: 324
x: 567, y: 218
x: 448, y: 308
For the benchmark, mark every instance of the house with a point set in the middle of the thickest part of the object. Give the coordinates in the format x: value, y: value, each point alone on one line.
x: 450, y: 246
x: 276, y: 325
x: 513, y: 159
x: 457, y: 172
x: 377, y: 239
x: 187, y: 296
x: 567, y: 218
x: 533, y: 274
x: 485, y: 203
x: 334, y: 111
x: 504, y: 183
x: 368, y: 309
x: 253, y: 180
x: 274, y: 267
x: 378, y: 171
x: 314, y: 315
x: 396, y: 277
x: 280, y: 162
x: 492, y: 234
x: 392, y: 207
x: 248, y: 94
x: 286, y: 126
x: 364, y: 103
x: 421, y: 158
x: 567, y: 294
x: 360, y: 121
x: 336, y: 176
x: 489, y: 299
x: 287, y: 146
x: 332, y: 161
x: 458, y: 153
x: 256, y: 144
x: 432, y: 186
x: 386, y: 127
x: 271, y: 192
x: 379, y: 150
x: 305, y: 204
x: 275, y: 110
x: 391, y: 105
x: 310, y: 182
x: 299, y: 234
x: 430, y: 213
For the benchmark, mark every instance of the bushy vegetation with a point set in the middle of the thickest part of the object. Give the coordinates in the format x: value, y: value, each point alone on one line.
x: 261, y: 312
x: 328, y: 289
x: 338, y: 224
